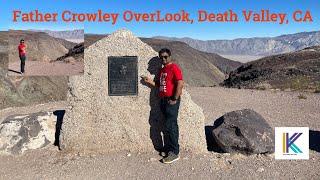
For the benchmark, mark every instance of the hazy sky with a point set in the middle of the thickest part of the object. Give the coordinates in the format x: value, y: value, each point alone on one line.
x: 144, y: 29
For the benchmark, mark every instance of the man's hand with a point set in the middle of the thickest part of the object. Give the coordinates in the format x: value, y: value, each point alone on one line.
x: 148, y: 80
x: 172, y: 102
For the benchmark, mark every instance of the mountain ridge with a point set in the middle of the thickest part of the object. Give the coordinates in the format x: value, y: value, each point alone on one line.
x: 255, y: 46
x: 76, y: 35
x: 199, y: 68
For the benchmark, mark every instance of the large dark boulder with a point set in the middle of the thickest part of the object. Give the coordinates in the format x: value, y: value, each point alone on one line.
x: 243, y: 131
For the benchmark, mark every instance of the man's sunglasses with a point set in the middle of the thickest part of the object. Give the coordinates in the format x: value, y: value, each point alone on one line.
x: 165, y: 57
x: 22, y: 41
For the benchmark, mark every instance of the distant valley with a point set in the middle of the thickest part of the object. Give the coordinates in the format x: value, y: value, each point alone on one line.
x: 76, y: 36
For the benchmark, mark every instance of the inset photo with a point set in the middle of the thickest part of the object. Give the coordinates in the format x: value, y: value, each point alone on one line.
x: 46, y: 52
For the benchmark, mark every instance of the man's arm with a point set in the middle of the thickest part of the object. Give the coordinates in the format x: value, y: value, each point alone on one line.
x: 24, y: 48
x: 178, y: 92
x: 178, y: 83
x: 151, y: 82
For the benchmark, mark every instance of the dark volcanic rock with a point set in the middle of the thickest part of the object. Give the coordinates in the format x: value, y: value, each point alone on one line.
x: 246, y: 74
x: 76, y: 52
x: 292, y: 71
x: 243, y: 131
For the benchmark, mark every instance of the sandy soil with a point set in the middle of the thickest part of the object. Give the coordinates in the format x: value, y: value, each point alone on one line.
x: 36, y: 68
x: 279, y: 109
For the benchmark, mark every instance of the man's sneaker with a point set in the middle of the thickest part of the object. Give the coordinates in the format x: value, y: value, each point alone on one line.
x: 170, y: 158
x: 163, y: 153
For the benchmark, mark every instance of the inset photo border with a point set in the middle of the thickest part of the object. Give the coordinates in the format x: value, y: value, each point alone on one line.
x: 46, y: 52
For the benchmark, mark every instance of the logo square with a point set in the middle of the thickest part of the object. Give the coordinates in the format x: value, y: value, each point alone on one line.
x: 291, y: 143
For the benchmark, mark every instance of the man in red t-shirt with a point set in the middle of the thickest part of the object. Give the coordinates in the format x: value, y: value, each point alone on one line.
x: 22, y: 55
x: 170, y: 84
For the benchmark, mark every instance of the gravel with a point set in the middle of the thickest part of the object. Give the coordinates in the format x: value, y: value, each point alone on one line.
x: 278, y: 108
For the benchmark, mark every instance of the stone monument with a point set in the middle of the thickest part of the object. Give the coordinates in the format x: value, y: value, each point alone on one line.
x: 99, y: 122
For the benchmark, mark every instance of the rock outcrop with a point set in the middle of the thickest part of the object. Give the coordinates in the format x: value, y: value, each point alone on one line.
x: 243, y: 131
x: 97, y: 122
x: 20, y: 133
x: 75, y: 53
x: 298, y: 70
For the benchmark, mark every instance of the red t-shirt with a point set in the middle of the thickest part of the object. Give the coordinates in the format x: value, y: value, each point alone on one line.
x: 22, y: 51
x: 169, y: 75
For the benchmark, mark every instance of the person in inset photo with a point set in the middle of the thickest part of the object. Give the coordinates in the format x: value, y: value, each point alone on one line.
x: 22, y: 55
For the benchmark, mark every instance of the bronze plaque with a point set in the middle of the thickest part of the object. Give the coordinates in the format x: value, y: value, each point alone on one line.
x: 123, y: 75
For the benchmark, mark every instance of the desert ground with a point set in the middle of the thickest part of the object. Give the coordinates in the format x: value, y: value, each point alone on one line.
x: 277, y: 107
x: 37, y: 68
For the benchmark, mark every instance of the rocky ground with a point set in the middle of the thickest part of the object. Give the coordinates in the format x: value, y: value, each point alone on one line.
x: 278, y: 108
x: 36, y: 68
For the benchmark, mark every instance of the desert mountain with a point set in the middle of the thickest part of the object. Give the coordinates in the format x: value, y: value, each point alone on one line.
x: 258, y: 46
x: 199, y: 68
x: 298, y: 70
x: 20, y: 91
x: 40, y: 46
x: 76, y: 36
x: 90, y: 39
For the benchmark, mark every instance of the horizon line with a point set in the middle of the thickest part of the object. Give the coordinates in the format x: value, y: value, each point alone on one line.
x: 156, y: 36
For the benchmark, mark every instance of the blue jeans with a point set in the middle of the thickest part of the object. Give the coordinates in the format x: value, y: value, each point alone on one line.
x: 171, y: 129
x: 22, y: 64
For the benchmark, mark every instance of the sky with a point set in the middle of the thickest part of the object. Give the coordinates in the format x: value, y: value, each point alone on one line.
x: 204, y: 31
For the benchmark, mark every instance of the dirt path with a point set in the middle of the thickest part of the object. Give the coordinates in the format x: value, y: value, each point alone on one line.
x: 279, y: 109
x: 36, y: 68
